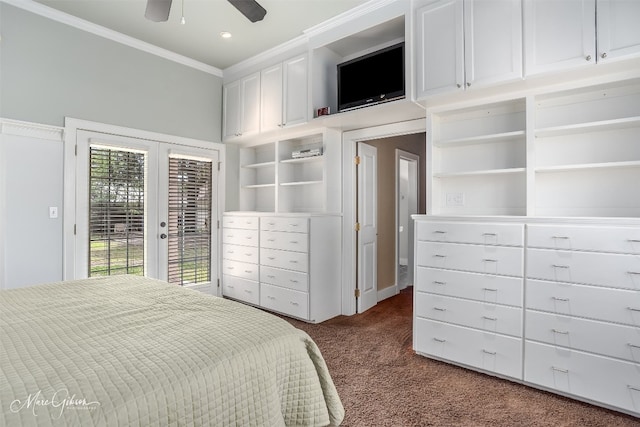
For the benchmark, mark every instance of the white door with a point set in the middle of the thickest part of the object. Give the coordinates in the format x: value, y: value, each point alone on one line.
x: 559, y: 34
x: 440, y: 41
x: 493, y: 41
x: 367, y: 282
x: 618, y: 29
x: 145, y: 208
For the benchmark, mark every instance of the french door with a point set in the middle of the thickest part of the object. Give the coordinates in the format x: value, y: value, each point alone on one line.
x: 145, y: 208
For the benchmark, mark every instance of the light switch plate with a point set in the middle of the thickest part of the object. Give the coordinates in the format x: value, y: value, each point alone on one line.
x: 53, y: 212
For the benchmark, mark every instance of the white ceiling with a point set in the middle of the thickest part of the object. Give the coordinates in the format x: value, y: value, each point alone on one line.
x: 199, y: 38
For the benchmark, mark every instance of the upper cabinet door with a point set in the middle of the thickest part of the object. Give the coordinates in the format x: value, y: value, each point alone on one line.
x: 493, y: 41
x: 231, y: 107
x: 618, y: 29
x: 559, y: 34
x: 296, y: 91
x: 271, y: 98
x: 440, y: 44
x: 250, y: 111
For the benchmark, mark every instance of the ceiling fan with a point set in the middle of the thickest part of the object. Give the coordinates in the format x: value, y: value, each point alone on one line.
x: 158, y: 10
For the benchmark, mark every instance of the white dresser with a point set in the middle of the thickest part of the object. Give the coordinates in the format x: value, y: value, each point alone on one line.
x: 573, y: 328
x: 468, y: 294
x: 289, y: 263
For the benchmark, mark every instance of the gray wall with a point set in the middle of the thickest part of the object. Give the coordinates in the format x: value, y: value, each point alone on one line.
x: 49, y: 70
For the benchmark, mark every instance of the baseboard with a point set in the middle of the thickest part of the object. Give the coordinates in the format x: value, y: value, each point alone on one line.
x: 387, y: 292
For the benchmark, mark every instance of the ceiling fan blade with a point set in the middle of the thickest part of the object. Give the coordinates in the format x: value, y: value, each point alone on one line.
x: 158, y: 10
x: 250, y: 8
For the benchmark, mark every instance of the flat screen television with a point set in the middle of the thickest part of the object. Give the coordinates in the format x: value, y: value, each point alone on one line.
x: 371, y: 79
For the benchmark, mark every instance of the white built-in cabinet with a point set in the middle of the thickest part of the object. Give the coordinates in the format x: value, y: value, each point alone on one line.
x: 572, y: 153
x: 284, y: 94
x: 565, y: 34
x: 287, y: 263
x: 273, y: 180
x: 465, y: 43
x: 241, y: 107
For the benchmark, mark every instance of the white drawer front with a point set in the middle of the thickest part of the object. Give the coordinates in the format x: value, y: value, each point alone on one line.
x: 240, y: 253
x: 506, y: 261
x: 284, y: 278
x: 608, y: 339
x: 613, y: 270
x: 296, y: 225
x: 241, y: 269
x: 285, y: 301
x: 479, y: 287
x: 611, y: 305
x: 480, y: 233
x: 286, y: 241
x: 241, y: 289
x: 612, y: 382
x: 484, y: 350
x: 235, y: 236
x: 246, y: 222
x: 297, y: 261
x: 599, y: 239
x: 488, y: 317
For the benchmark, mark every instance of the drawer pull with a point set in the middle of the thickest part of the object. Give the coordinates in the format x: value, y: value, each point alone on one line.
x: 555, y: 331
x: 294, y: 242
x: 293, y: 281
x: 271, y: 297
x: 293, y: 224
x: 230, y: 235
x: 271, y: 276
x: 271, y: 258
x: 230, y: 287
x: 294, y: 303
x: 633, y: 309
x: 492, y: 353
x: 490, y: 289
x: 489, y: 234
x: 249, y: 237
x: 271, y: 240
x: 439, y: 309
x: 564, y: 371
x: 634, y: 240
x: 230, y: 252
x: 271, y: 223
x: 489, y: 260
x: 293, y: 261
x: 248, y: 271
x: 440, y: 232
x: 633, y: 345
x: 439, y: 256
x: 633, y: 272
x: 633, y: 388
x: 230, y: 268
x: 248, y: 291
x: 439, y: 340
x: 560, y: 237
x: 560, y: 299
x: 248, y: 222
x: 559, y: 266
x: 439, y: 283
x: 248, y: 254
x: 490, y: 318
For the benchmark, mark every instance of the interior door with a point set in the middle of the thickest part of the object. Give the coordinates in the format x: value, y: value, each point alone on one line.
x: 145, y: 208
x: 367, y: 279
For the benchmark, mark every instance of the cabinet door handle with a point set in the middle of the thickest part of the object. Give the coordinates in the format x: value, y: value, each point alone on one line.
x: 439, y: 340
x: 492, y: 353
x: 604, y: 55
x: 588, y: 58
x: 555, y: 331
x: 564, y: 371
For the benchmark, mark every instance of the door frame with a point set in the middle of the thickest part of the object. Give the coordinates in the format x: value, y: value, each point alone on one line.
x: 72, y: 126
x: 411, y: 158
x: 350, y: 141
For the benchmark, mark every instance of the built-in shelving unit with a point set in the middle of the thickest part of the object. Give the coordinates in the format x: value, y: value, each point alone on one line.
x: 478, y: 159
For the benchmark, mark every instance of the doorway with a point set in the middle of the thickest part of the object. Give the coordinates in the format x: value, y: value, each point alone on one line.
x: 407, y: 196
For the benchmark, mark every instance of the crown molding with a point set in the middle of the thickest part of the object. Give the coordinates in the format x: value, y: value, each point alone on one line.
x: 31, y: 130
x: 267, y: 55
x: 64, y: 18
x: 347, y: 16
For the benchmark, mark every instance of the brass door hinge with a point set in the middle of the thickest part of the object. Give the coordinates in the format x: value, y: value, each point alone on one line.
x: 357, y: 227
x: 356, y: 160
x: 357, y: 293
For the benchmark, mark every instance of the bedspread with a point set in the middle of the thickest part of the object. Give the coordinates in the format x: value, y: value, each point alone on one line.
x: 125, y: 350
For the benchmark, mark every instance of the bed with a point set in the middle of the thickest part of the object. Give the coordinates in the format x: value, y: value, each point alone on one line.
x: 126, y: 350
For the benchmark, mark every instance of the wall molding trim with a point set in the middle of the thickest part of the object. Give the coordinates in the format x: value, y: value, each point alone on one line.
x: 32, y: 130
x: 64, y: 18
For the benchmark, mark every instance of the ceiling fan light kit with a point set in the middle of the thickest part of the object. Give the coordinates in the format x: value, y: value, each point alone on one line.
x: 158, y: 10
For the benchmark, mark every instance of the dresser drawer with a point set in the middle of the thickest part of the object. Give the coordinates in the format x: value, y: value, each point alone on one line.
x: 285, y: 278
x: 245, y: 222
x: 241, y: 269
x: 240, y: 253
x: 483, y: 350
x: 285, y: 301
x: 612, y: 270
x: 297, y: 261
x: 506, y: 261
x: 480, y: 233
x: 610, y: 305
x: 612, y: 382
x: 235, y: 236
x: 291, y: 224
x: 608, y: 339
x: 599, y: 239
x: 475, y: 286
x: 485, y: 316
x: 287, y: 241
x: 241, y: 289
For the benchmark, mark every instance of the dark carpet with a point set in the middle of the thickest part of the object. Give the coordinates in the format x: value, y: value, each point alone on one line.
x: 382, y: 382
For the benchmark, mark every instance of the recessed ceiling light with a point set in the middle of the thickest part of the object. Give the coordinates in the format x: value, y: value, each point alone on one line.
x: 225, y: 34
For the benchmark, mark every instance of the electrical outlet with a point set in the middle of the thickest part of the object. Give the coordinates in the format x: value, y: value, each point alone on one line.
x: 455, y: 199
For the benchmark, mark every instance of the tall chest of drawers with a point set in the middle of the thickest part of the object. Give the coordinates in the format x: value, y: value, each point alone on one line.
x: 582, y: 317
x: 297, y: 264
x: 468, y: 295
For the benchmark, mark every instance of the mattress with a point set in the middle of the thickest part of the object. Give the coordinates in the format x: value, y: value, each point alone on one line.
x: 126, y: 350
